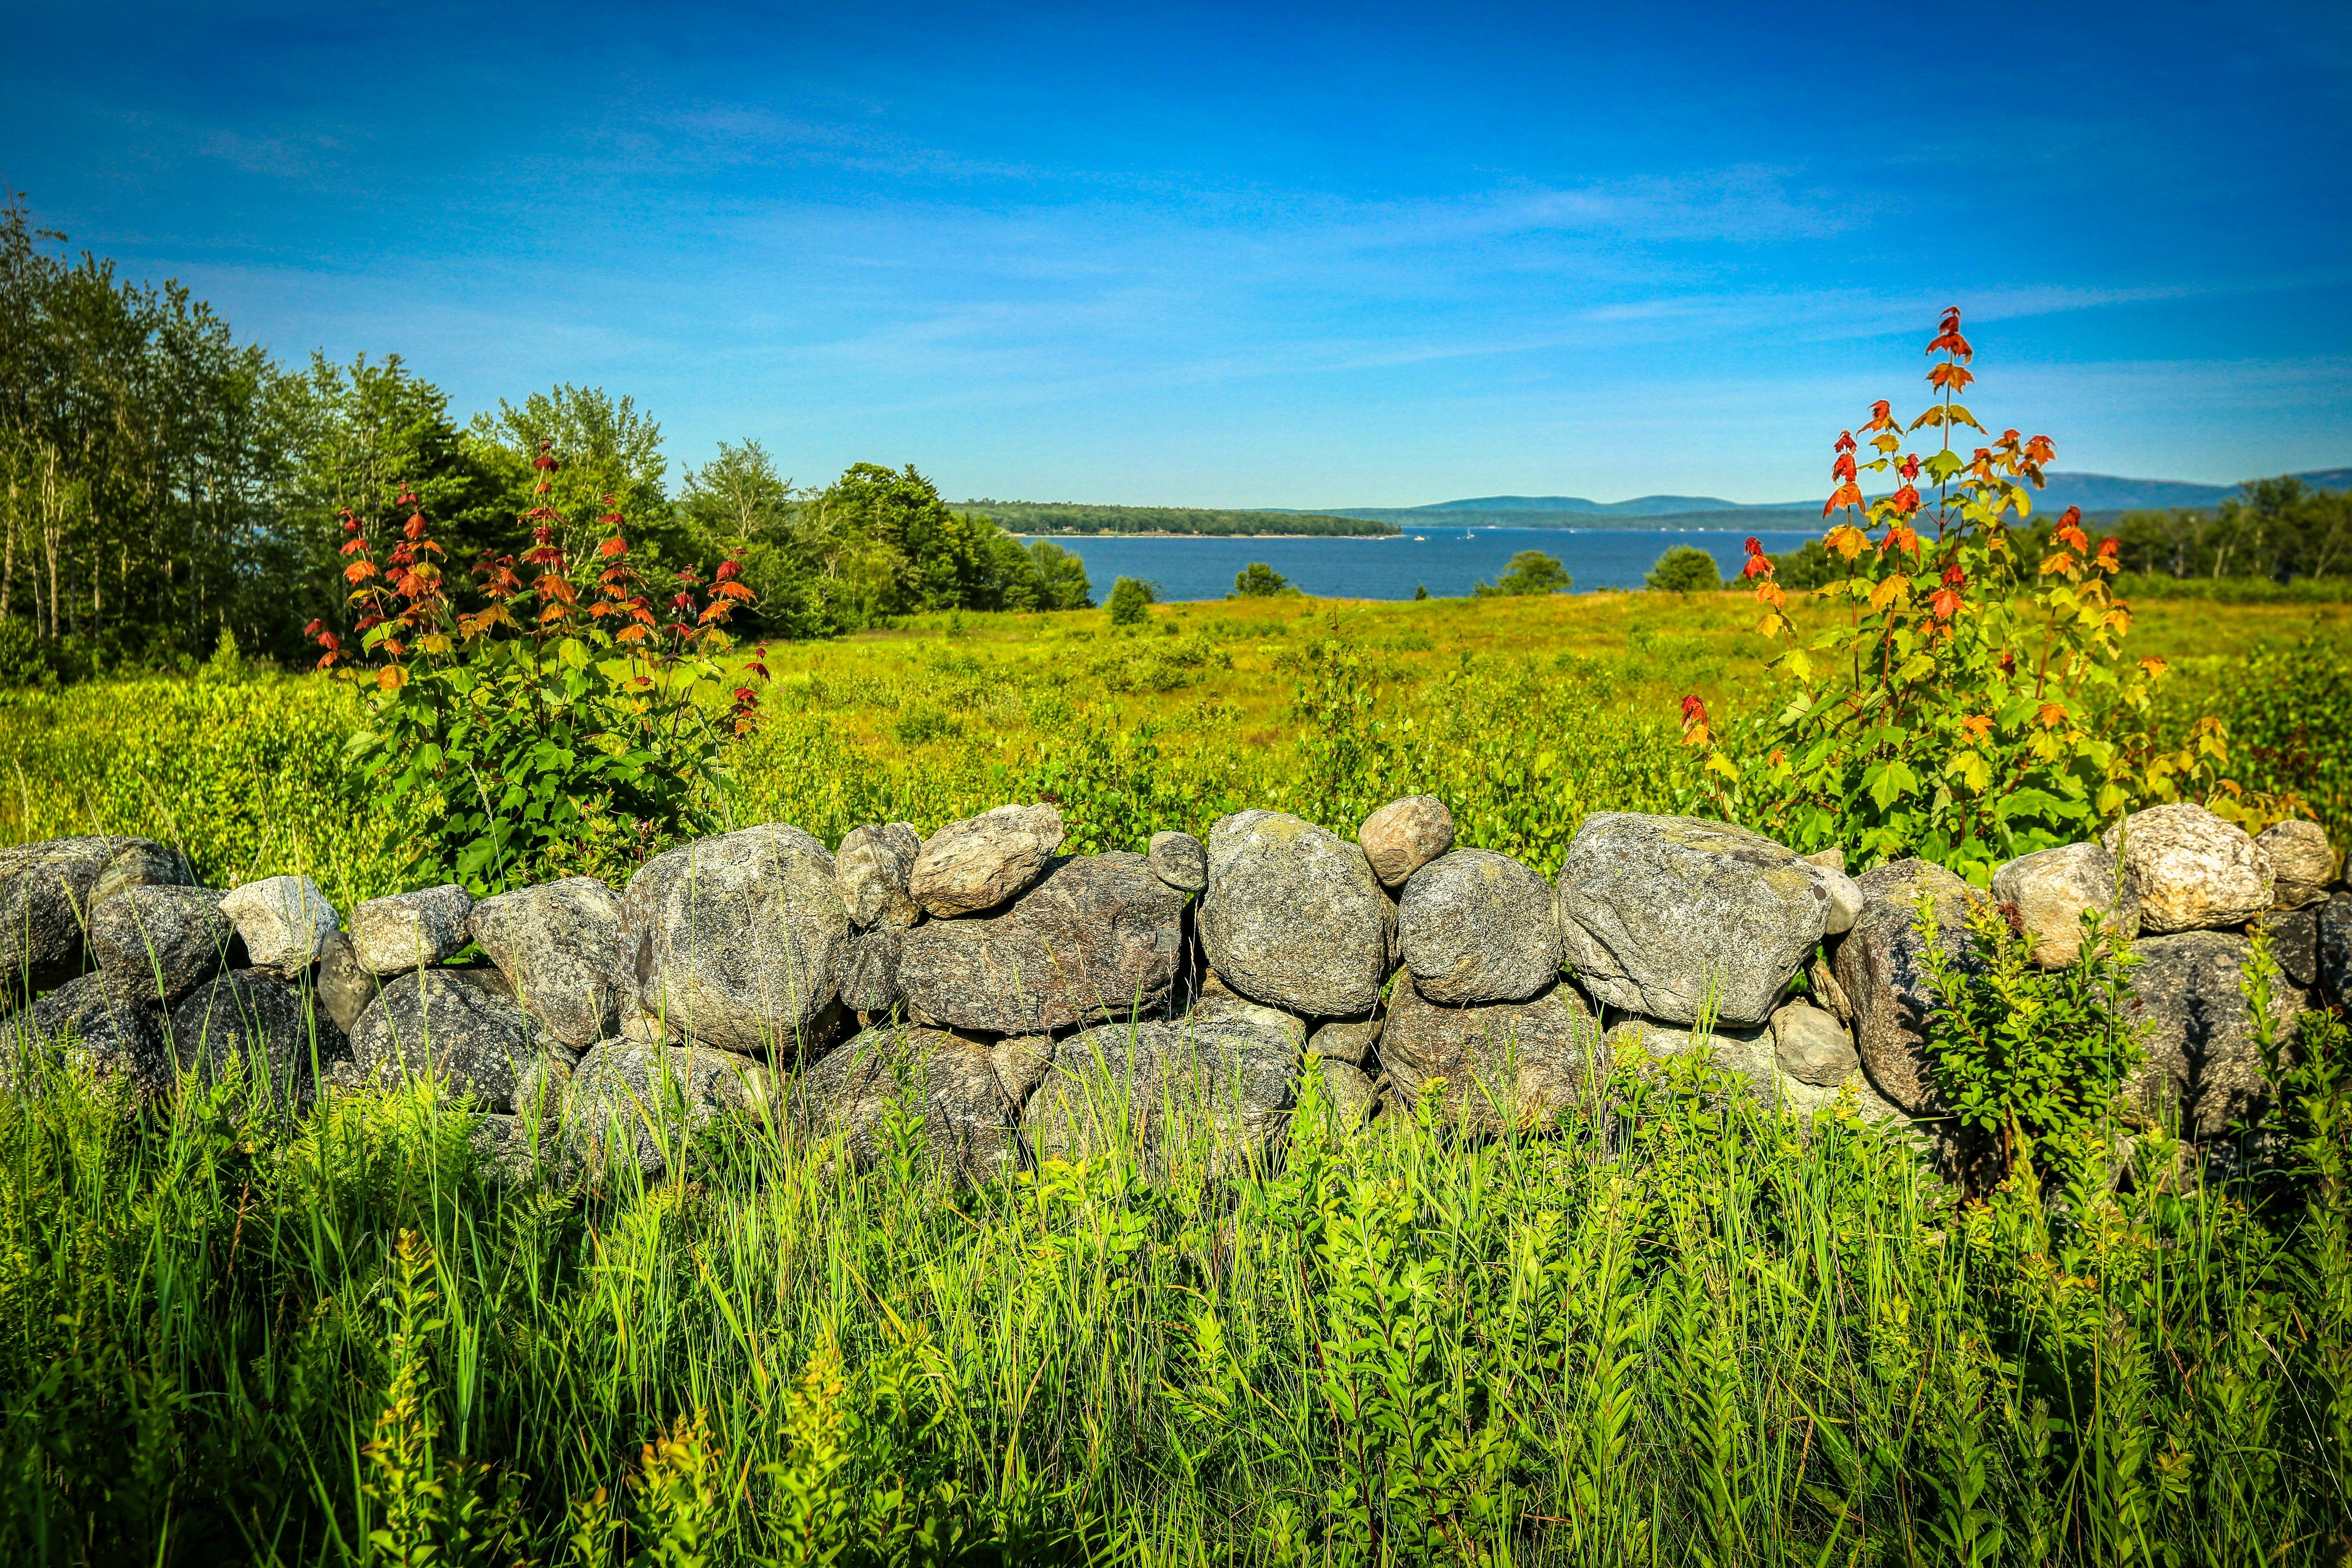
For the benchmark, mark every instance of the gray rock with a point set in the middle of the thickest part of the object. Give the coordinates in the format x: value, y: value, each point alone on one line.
x: 1475, y: 926
x: 1505, y: 1064
x: 1405, y: 835
x: 97, y: 1031
x: 872, y: 867
x: 156, y: 942
x: 1214, y: 1090
x: 2335, y: 945
x: 869, y: 969
x: 557, y: 943
x: 1878, y: 969
x: 2303, y: 862
x: 543, y: 1087
x: 513, y: 1150
x: 642, y: 1106
x: 2053, y: 888
x: 1179, y: 860
x: 285, y: 922
x: 343, y: 987
x: 2201, y: 1053
x: 2190, y: 871
x: 139, y: 863
x: 1020, y: 1063
x: 979, y: 863
x: 1294, y: 917
x: 1832, y: 860
x: 971, y: 1129
x: 1662, y: 914
x: 736, y: 941
x: 275, y: 1034
x: 44, y: 901
x: 1844, y: 895
x: 1810, y: 1045
x: 446, y: 1025
x: 408, y: 930
x: 1346, y: 1040
x: 2295, y: 942
x: 1349, y: 1096
x: 1097, y: 938
x: 1752, y: 1056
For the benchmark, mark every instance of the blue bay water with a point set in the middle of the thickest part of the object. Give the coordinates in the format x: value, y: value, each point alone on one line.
x: 1446, y: 560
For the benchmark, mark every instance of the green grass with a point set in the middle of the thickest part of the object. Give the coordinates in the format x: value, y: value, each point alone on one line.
x: 1675, y: 1328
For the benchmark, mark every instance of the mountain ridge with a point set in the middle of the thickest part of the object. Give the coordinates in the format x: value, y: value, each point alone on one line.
x: 2092, y: 492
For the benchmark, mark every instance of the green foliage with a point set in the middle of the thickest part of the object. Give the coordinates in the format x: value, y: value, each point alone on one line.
x: 1072, y: 516
x: 1672, y: 1326
x: 23, y: 661
x: 885, y: 544
x: 1259, y: 580
x: 2278, y: 529
x: 1684, y: 568
x: 2285, y: 711
x: 1131, y: 602
x: 2030, y: 1059
x: 1955, y: 700
x: 1531, y: 572
x: 564, y: 727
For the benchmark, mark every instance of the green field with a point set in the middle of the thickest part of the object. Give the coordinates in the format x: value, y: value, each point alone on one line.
x: 1678, y: 1327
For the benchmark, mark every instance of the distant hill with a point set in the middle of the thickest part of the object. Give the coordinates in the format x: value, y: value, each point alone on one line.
x: 2092, y: 492
x: 1081, y: 517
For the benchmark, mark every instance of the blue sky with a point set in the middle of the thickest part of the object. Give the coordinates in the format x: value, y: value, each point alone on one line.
x: 1257, y: 255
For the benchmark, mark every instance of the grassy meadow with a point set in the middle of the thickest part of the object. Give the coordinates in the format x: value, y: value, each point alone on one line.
x: 1678, y: 1327
x: 1521, y: 713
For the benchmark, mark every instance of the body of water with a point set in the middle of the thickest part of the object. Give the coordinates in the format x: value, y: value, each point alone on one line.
x: 1446, y: 561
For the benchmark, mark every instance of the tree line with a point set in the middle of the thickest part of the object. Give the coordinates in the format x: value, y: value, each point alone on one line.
x: 163, y: 484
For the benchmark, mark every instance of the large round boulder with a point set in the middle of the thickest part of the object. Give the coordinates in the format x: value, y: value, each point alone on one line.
x: 1405, y: 835
x: 556, y: 942
x: 2203, y: 1059
x: 1503, y: 1065
x: 1212, y: 1091
x: 736, y: 941
x: 978, y: 863
x: 45, y: 906
x: 971, y: 1126
x: 97, y: 1031
x: 445, y: 1024
x: 155, y: 944
x: 1099, y: 937
x: 275, y: 1034
x: 1880, y: 973
x: 872, y: 867
x: 1294, y: 917
x: 2052, y: 890
x: 1475, y: 926
x: 635, y: 1104
x: 2302, y: 861
x: 285, y: 922
x: 2191, y: 869
x: 408, y: 930
x: 1668, y: 916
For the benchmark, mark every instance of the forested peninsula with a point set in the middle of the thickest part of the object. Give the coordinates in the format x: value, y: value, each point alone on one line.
x: 1077, y: 517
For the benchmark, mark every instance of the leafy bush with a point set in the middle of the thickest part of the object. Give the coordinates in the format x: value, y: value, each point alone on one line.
x: 1131, y: 602
x: 1259, y: 580
x: 1531, y: 572
x: 1954, y: 701
x: 565, y: 727
x: 1684, y: 568
x: 2030, y: 1059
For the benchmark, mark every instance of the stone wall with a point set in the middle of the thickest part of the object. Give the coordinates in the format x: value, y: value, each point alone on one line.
x: 1039, y: 1004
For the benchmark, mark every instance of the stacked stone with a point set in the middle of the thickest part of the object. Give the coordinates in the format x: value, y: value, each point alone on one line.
x: 1039, y: 1004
